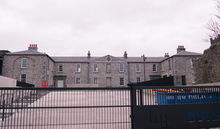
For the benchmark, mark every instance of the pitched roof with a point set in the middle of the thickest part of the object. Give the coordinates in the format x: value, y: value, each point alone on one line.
x: 187, y: 53
x: 73, y: 59
x: 149, y: 59
x: 27, y: 52
x: 85, y: 59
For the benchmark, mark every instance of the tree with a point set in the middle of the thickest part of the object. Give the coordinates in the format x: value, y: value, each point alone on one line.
x: 214, y: 24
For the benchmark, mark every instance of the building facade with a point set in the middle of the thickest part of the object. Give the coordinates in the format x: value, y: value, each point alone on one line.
x: 32, y: 66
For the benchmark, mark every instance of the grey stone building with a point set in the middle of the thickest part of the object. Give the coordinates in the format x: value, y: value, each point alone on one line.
x: 32, y: 66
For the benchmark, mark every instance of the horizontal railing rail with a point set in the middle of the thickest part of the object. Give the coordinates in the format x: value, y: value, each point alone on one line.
x: 78, y: 107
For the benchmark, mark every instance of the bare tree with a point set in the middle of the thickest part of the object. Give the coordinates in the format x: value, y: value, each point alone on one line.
x: 214, y: 24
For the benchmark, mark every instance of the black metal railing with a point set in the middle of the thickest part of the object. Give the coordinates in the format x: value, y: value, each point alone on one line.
x: 175, y: 107
x: 96, y: 108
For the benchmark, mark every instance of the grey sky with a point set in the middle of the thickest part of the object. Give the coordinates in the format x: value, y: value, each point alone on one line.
x: 72, y: 27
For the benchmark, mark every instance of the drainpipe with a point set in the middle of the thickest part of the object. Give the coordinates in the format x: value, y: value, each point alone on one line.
x: 3, y: 54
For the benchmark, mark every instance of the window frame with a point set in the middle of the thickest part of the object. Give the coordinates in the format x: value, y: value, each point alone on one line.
x: 78, y: 69
x: 95, y: 69
x: 78, y: 80
x: 22, y: 63
x: 95, y: 80
x: 138, y: 69
x: 138, y: 78
x: 59, y: 68
x: 191, y: 63
x: 121, y: 80
x: 169, y: 64
x: 121, y: 66
x: 21, y: 79
x: 154, y: 69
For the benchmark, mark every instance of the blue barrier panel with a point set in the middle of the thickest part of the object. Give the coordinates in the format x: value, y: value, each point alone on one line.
x: 186, y: 98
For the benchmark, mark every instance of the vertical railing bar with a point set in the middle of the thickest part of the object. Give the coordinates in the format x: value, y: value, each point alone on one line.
x: 3, y: 110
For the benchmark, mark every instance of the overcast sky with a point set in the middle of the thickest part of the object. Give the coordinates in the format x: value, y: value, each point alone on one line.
x: 72, y: 27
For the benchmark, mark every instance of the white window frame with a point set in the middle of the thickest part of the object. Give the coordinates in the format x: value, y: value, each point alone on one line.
x: 95, y: 80
x: 78, y: 69
x: 137, y: 66
x: 121, y: 67
x: 78, y: 80
x: 121, y: 79
x: 60, y: 69
x: 23, y: 65
x: 154, y: 69
x: 95, y: 68
x: 22, y: 79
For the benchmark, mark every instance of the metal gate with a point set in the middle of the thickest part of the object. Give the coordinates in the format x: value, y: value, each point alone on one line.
x: 134, y: 107
x: 175, y: 107
x: 65, y: 108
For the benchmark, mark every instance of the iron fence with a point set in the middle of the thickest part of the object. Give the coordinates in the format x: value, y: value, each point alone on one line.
x: 86, y: 108
x: 95, y: 108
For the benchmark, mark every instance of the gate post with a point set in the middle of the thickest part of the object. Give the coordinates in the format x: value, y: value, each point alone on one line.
x: 133, y: 102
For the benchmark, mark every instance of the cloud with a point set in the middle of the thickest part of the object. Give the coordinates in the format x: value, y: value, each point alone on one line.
x: 71, y: 28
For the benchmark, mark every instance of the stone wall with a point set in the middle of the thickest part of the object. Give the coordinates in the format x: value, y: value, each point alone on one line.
x: 37, y: 68
x: 207, y: 67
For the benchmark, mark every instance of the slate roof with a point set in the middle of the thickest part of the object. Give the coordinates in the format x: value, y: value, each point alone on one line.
x: 73, y: 59
x: 85, y: 59
x: 27, y: 52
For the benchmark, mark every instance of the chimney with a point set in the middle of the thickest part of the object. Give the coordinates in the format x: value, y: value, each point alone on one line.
x: 180, y: 48
x: 33, y: 47
x: 166, y: 55
x: 88, y: 54
x: 125, y: 54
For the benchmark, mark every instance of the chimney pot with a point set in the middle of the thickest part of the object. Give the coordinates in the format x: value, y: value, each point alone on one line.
x: 33, y: 47
x: 88, y: 54
x: 125, y: 54
x: 166, y: 55
x: 180, y: 48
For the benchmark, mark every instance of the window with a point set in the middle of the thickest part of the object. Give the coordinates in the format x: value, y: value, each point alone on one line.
x: 137, y: 67
x: 95, y: 80
x: 108, y: 68
x: 138, y: 79
x: 60, y: 68
x: 95, y: 67
x: 191, y: 63
x: 169, y: 65
x: 78, y: 68
x: 121, y: 68
x: 24, y: 63
x: 121, y: 81
x: 154, y: 67
x: 23, y: 77
x: 77, y: 80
